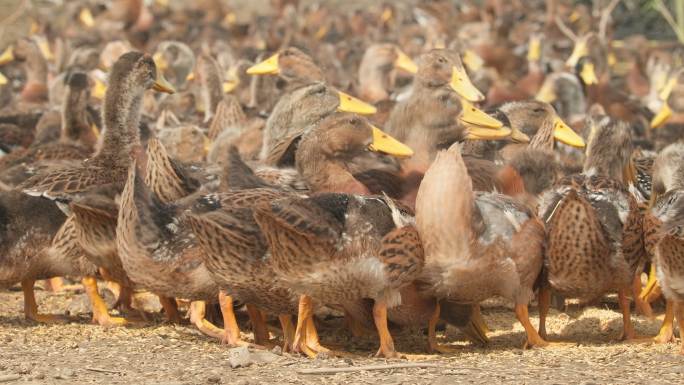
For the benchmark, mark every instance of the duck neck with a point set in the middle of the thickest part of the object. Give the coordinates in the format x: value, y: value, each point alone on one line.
x: 324, y: 174
x: 374, y: 82
x: 36, y: 68
x: 35, y: 89
x: 121, y: 119
x: 75, y: 127
x: 543, y: 139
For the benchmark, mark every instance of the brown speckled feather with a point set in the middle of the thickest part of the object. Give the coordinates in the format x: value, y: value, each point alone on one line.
x: 236, y: 253
x: 158, y: 251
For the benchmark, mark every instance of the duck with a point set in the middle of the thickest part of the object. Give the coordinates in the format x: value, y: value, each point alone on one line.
x: 299, y: 109
x: 28, y: 226
x: 77, y: 137
x: 320, y: 246
x: 590, y: 216
x: 666, y: 124
x: 440, y: 80
x: 375, y: 69
x: 321, y: 159
x: 27, y: 51
x: 176, y: 61
x: 472, y: 234
x: 91, y: 186
x: 661, y: 237
x: 239, y: 261
x: 157, y: 252
x: 210, y: 78
x: 536, y: 163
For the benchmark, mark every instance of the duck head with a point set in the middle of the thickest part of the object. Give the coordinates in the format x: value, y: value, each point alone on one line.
x: 672, y: 96
x: 330, y: 145
x: 441, y: 67
x: 609, y: 149
x: 540, y: 120
x: 290, y: 64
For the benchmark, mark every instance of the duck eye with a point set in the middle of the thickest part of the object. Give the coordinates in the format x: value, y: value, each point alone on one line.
x: 441, y: 60
x: 538, y: 110
x: 354, y: 121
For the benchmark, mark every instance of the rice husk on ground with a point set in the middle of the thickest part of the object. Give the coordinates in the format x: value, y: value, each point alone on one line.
x: 160, y: 353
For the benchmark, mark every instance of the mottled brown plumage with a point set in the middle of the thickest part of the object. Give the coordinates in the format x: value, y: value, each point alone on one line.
x: 593, y: 224
x: 476, y: 245
x: 237, y: 255
x: 340, y: 249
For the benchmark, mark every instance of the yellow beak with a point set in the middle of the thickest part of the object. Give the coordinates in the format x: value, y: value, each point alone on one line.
x: 3, y: 79
x: 578, y: 52
x: 518, y: 136
x: 44, y: 47
x: 160, y: 62
x: 483, y: 133
x: 405, y: 63
x: 472, y: 60
x: 546, y: 93
x: 651, y: 285
x: 473, y: 116
x: 229, y: 86
x: 534, y: 49
x: 588, y: 74
x: 461, y: 83
x: 191, y: 76
x: 386, y: 15
x: 230, y: 18
x: 7, y: 55
x: 662, y: 116
x: 207, y: 145
x: 563, y: 133
x: 386, y: 144
x: 349, y: 103
x: 667, y: 89
x: 266, y: 67
x: 86, y: 17
x: 232, y: 80
x: 162, y: 85
x: 98, y: 90
x: 95, y: 130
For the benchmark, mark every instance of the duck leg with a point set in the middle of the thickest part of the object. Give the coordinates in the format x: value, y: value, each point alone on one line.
x: 100, y: 312
x: 628, y: 332
x: 679, y: 311
x: 231, y: 330
x: 197, y: 312
x: 54, y: 284
x: 433, y: 346
x: 642, y: 306
x: 544, y: 303
x: 533, y: 338
x: 652, y: 290
x: 666, y: 333
x: 479, y: 320
x: 306, y: 338
x: 170, y: 307
x: 386, y: 343
x: 31, y: 307
x: 256, y: 317
x: 288, y: 331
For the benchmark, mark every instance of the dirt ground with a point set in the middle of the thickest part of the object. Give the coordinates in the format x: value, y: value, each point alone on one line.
x: 160, y: 353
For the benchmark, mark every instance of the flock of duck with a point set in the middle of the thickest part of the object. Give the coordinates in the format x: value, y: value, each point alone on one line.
x: 258, y: 180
